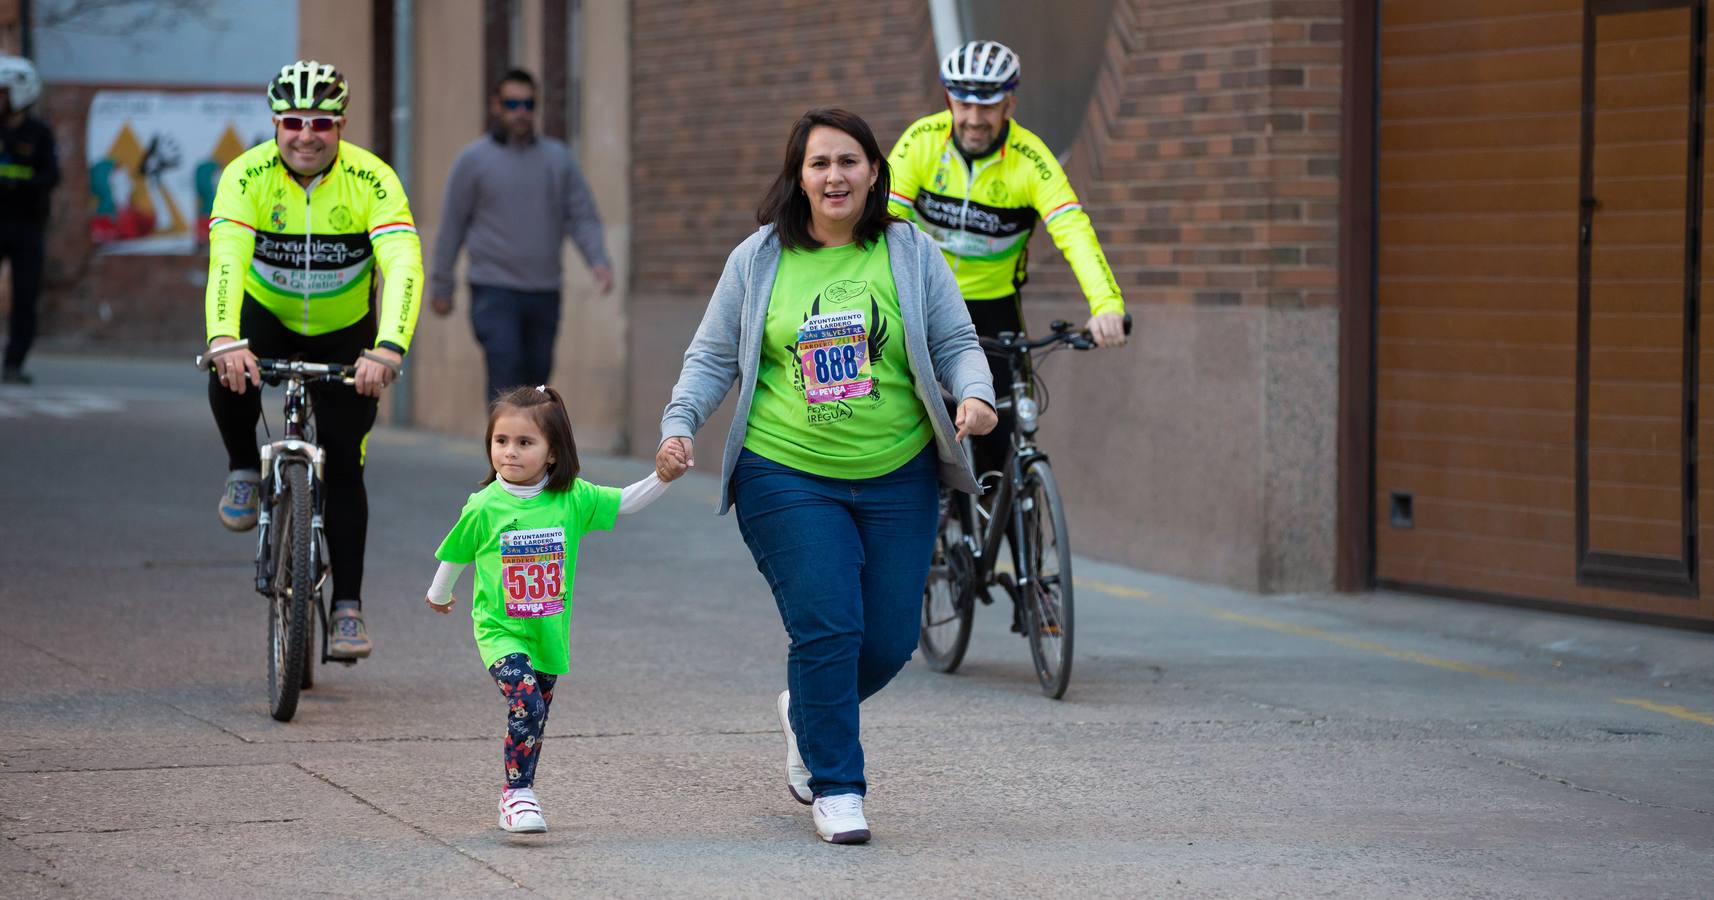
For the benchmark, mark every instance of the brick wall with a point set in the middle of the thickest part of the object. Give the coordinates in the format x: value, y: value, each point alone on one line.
x: 716, y: 88
x: 1208, y: 160
x: 1209, y: 157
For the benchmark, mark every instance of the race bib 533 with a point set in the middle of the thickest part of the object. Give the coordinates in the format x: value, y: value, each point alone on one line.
x: 532, y: 572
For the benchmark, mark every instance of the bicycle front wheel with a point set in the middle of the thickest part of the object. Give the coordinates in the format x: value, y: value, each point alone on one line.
x: 948, y: 600
x: 1048, y: 607
x: 290, y: 594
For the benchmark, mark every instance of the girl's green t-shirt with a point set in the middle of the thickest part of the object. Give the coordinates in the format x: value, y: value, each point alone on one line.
x: 525, y: 553
x: 834, y: 392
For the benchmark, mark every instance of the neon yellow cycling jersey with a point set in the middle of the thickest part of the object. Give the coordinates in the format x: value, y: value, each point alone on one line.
x: 982, y: 213
x: 308, y: 253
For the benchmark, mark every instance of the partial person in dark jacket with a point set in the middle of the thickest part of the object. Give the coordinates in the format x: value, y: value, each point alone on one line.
x: 514, y: 196
x: 29, y: 170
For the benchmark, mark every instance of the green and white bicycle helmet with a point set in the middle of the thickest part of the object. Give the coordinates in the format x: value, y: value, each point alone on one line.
x: 980, y: 72
x: 307, y: 84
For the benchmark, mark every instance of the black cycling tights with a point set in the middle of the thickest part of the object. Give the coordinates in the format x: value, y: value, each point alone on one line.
x: 342, y: 422
x: 990, y: 318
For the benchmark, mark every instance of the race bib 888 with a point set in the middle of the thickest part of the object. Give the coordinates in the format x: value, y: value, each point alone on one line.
x: 833, y: 349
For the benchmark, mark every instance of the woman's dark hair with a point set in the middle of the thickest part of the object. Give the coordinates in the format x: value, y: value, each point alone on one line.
x: 544, y: 406
x: 788, y: 209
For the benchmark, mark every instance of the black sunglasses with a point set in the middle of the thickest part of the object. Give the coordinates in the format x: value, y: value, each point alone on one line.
x: 510, y: 103
x: 315, y: 123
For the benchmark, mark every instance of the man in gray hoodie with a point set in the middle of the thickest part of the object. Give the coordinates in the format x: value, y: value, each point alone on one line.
x: 514, y: 195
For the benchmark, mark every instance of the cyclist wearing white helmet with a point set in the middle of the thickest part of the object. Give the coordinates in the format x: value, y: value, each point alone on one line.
x: 29, y: 170
x: 977, y: 182
x: 301, y: 223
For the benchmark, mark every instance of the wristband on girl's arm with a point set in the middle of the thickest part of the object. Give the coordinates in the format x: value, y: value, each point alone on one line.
x: 641, y: 494
x: 440, y: 590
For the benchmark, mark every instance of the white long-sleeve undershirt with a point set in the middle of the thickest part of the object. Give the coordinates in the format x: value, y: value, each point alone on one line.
x: 632, y: 498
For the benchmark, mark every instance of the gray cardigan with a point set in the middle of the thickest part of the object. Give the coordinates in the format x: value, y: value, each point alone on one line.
x: 940, y: 344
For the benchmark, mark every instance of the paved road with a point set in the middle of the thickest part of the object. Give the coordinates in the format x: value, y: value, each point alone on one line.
x: 1214, y: 744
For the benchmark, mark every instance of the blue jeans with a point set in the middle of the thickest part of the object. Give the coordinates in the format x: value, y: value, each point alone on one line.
x: 516, y: 330
x: 846, y: 560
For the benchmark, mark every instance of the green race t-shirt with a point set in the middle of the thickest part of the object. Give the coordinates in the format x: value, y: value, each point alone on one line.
x: 526, y: 559
x: 834, y: 394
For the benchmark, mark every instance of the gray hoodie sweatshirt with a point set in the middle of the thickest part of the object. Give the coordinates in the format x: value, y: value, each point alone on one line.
x: 940, y: 345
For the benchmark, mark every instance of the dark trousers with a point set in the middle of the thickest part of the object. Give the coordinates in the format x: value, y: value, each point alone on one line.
x: 846, y: 560
x: 343, y: 418
x: 990, y: 318
x: 516, y: 330
x: 21, y: 244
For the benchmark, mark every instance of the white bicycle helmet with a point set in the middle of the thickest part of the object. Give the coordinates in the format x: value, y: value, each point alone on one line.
x: 980, y: 72
x: 18, y: 76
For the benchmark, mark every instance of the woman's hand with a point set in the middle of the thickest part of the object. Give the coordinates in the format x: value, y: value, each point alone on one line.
x: 440, y: 608
x: 674, y: 458
x: 975, y: 417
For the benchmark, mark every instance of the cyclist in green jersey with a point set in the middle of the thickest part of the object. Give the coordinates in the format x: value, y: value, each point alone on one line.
x: 978, y: 182
x: 300, y: 225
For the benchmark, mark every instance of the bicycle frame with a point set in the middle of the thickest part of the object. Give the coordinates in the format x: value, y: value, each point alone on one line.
x: 1006, y: 516
x: 294, y: 445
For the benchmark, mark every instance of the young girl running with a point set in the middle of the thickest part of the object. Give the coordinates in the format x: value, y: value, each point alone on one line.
x: 522, y: 531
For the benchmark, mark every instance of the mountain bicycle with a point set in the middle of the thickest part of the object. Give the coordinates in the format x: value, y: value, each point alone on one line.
x: 1026, y: 509
x: 291, y: 557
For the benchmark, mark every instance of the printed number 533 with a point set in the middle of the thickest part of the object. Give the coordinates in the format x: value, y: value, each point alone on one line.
x: 533, y: 581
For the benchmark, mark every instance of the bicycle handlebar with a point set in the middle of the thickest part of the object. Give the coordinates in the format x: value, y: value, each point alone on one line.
x: 1081, y: 339
x: 280, y: 368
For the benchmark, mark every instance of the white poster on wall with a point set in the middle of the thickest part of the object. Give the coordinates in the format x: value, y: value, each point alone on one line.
x: 155, y: 159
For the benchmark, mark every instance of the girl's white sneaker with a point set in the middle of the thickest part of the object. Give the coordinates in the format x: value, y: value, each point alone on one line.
x: 520, y: 813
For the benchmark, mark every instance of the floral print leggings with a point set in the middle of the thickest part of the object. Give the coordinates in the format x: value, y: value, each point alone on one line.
x: 528, y: 694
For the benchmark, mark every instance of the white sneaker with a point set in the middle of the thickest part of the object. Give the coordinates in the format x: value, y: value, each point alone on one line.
x: 839, y: 819
x: 520, y: 813
x: 797, y: 774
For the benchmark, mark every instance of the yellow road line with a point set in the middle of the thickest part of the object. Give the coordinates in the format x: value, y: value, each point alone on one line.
x: 1369, y: 646
x: 1677, y: 712
x: 1303, y: 631
x: 1119, y: 590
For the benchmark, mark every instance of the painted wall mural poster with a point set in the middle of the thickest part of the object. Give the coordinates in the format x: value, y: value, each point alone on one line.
x: 155, y: 159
